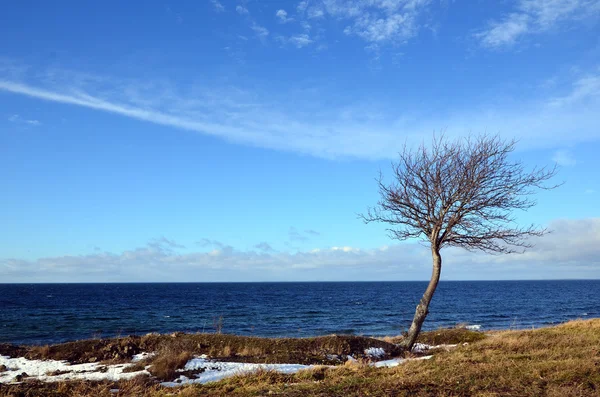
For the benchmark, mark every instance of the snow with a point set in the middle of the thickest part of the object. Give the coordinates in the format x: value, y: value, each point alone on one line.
x: 209, y: 371
x: 474, y: 327
x: 421, y: 347
x: 213, y: 371
x: 394, y: 362
x: 376, y: 352
x: 141, y: 356
x: 39, y: 369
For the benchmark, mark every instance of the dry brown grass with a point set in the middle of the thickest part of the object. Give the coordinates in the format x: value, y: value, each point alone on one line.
x: 558, y: 361
x: 165, y: 365
x: 231, y: 347
x: 443, y: 336
x: 41, y: 352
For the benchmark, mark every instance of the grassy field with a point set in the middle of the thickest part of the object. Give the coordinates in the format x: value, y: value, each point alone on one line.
x: 556, y: 361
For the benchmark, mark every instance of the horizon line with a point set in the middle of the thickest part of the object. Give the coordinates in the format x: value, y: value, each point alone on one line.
x: 290, y: 282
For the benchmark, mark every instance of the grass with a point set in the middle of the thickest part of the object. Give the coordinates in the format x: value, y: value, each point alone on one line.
x: 444, y: 336
x: 557, y: 361
x: 165, y: 366
x: 231, y: 347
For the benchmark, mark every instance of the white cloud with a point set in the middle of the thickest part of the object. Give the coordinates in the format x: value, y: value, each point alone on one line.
x: 315, y: 12
x: 217, y: 5
x: 533, y: 17
x: 378, y: 21
x: 390, y: 21
x: 506, y: 32
x: 299, y: 40
x: 571, y: 251
x: 302, y: 6
x: 282, y: 15
x: 15, y: 118
x: 564, y: 158
x: 584, y: 89
x: 242, y: 10
x: 260, y: 31
x: 363, y: 129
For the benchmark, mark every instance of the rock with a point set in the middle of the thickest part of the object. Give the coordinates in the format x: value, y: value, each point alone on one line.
x: 3, y: 368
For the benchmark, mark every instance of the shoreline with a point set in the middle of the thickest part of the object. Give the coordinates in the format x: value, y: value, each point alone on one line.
x: 557, y: 360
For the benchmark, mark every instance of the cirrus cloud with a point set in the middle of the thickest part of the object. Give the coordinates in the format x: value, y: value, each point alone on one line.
x: 534, y: 17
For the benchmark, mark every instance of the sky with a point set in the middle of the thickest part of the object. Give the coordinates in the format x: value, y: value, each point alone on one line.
x: 239, y: 140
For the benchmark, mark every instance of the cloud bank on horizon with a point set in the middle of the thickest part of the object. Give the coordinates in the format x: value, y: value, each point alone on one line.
x: 570, y: 252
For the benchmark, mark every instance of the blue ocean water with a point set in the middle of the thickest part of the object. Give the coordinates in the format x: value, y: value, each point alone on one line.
x: 50, y: 313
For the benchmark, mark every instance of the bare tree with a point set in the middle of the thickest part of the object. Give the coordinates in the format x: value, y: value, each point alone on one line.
x: 458, y: 193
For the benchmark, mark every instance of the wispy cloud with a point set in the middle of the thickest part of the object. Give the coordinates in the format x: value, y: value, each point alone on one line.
x: 564, y: 158
x: 372, y: 131
x: 206, y: 242
x: 260, y: 31
x: 296, y: 236
x: 242, y: 10
x: 534, y: 17
x: 218, y: 6
x: 506, y: 32
x: 298, y: 41
x: 572, y: 251
x: 315, y: 12
x: 378, y: 21
x: 282, y: 16
x: 264, y: 246
x: 584, y: 89
x: 164, y: 243
x: 15, y: 118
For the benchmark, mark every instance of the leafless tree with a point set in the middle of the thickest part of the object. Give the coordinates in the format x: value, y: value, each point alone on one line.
x: 458, y: 193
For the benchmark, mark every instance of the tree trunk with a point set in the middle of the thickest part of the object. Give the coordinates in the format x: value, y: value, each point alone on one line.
x: 423, y: 306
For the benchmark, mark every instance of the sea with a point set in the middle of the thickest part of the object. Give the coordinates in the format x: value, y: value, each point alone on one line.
x: 51, y: 313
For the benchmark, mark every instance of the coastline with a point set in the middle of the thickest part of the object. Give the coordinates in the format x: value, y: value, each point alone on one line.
x: 565, y: 357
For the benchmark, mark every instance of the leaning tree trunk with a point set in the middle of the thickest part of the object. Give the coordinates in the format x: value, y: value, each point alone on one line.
x: 423, y: 306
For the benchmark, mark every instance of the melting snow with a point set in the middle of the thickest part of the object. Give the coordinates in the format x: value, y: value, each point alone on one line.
x: 394, y: 362
x: 376, y: 352
x: 214, y: 370
x: 141, y: 356
x: 209, y: 371
x: 421, y: 347
x: 42, y: 370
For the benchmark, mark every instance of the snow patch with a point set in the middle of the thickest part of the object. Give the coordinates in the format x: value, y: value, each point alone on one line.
x: 141, y: 356
x: 44, y: 370
x: 213, y: 371
x: 376, y: 352
x: 394, y: 362
x: 474, y: 327
x: 421, y: 347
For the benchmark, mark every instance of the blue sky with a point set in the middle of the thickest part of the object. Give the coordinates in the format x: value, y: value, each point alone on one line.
x: 237, y: 140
